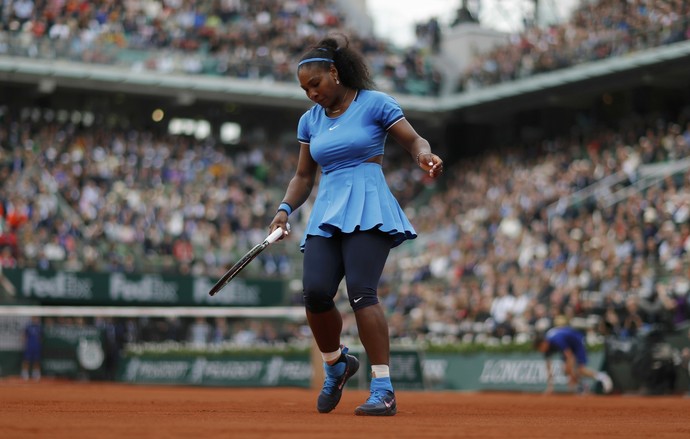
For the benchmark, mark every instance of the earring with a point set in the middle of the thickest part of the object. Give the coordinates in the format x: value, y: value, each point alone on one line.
x: 337, y: 81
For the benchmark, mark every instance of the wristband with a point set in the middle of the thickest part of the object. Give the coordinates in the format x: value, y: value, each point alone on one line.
x: 286, y: 207
x: 420, y: 153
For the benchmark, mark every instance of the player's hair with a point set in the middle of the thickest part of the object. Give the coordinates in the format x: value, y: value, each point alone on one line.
x: 538, y: 339
x: 352, y: 68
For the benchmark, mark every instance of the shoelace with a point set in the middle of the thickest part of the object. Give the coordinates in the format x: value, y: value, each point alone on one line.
x: 377, y: 396
x: 330, y: 384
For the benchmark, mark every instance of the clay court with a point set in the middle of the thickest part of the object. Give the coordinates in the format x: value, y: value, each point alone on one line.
x: 59, y: 409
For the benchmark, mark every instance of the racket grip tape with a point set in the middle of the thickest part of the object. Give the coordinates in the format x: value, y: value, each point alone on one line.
x: 277, y: 233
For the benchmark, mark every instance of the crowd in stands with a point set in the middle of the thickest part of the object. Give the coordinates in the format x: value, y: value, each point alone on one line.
x: 80, y: 198
x: 597, y: 30
x: 125, y: 200
x: 263, y: 39
x: 234, y: 38
x: 495, y: 256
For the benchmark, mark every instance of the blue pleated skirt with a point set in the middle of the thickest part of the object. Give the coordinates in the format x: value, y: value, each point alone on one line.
x: 357, y: 198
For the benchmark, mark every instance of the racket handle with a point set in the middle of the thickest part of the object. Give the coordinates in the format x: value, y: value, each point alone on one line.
x: 273, y: 237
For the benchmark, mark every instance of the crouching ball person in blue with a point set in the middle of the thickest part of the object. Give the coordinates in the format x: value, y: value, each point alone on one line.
x: 569, y: 342
x: 355, y: 219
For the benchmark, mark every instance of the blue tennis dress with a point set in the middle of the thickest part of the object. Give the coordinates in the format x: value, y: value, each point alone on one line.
x: 352, y: 194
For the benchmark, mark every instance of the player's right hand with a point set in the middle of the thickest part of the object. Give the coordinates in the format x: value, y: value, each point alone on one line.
x: 280, y: 220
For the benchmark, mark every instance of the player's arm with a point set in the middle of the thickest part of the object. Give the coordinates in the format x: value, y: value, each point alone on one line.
x: 299, y: 188
x: 570, y: 368
x: 418, y: 147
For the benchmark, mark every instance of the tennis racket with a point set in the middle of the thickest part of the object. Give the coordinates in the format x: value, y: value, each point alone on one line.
x: 246, y: 259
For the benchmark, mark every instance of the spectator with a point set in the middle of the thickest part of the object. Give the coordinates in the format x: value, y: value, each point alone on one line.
x: 7, y: 259
x: 113, y: 342
x: 502, y: 304
x: 633, y: 321
x: 220, y: 330
x: 199, y: 332
x: 656, y: 308
x: 31, y: 359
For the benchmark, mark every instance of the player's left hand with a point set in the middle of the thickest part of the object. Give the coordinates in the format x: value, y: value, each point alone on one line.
x: 431, y: 163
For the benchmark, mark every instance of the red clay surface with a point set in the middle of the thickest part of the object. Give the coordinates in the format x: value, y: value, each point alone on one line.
x: 58, y: 409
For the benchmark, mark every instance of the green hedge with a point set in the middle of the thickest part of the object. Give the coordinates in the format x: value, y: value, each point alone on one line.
x: 175, y: 348
x: 170, y: 348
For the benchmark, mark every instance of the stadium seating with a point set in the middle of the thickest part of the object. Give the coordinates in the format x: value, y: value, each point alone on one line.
x: 242, y: 39
x: 596, y: 30
x: 498, y: 254
x: 145, y: 202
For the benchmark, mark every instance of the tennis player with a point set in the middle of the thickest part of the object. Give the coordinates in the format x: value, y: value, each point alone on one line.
x: 355, y: 219
x: 569, y: 342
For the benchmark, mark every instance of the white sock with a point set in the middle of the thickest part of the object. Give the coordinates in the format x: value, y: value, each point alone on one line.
x: 331, y: 357
x: 380, y: 371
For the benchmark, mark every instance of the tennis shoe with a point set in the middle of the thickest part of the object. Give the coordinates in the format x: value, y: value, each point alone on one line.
x: 380, y: 403
x: 336, y: 377
x: 606, y: 383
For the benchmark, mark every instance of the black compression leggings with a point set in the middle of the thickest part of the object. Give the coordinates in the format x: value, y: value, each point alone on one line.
x: 359, y: 257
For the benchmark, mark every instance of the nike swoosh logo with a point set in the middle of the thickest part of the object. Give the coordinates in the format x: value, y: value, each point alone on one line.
x: 333, y: 127
x: 357, y: 299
